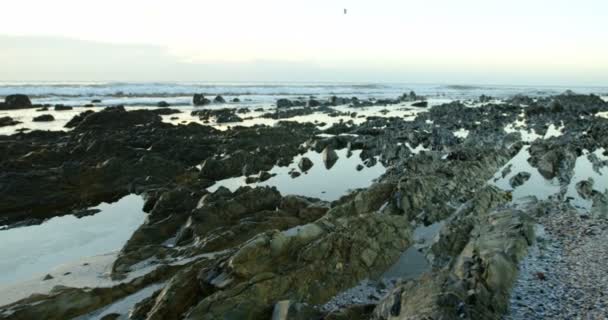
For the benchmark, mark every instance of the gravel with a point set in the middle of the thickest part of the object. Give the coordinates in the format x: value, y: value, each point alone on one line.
x: 565, y: 276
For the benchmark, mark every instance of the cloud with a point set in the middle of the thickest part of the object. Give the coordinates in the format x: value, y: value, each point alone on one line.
x: 48, y: 58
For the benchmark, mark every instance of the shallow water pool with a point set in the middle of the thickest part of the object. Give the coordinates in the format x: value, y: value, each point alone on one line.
x: 33, y: 251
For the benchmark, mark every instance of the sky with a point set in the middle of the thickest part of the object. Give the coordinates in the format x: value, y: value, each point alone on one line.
x: 439, y: 41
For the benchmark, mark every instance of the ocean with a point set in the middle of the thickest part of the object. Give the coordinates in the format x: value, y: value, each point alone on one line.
x: 180, y: 93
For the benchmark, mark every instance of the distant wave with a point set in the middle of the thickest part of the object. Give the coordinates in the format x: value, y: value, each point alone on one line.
x: 75, y: 93
x: 159, y: 89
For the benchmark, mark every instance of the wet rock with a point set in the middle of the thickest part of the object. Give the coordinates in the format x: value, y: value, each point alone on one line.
x: 236, y: 100
x: 228, y: 118
x: 585, y: 188
x: 485, y: 99
x: 270, y: 260
x: 477, y: 284
x: 329, y: 157
x: 420, y: 104
x: 66, y: 303
x: 313, y: 103
x: 219, y: 99
x: 44, y: 118
x: 163, y: 104
x: 78, y: 119
x: 8, y: 121
x: 60, y: 107
x: 265, y: 175
x: 117, y: 117
x: 165, y: 111
x: 224, y: 115
x: 553, y: 162
x: 519, y: 179
x: 200, y: 100
x: 305, y: 164
x: 96, y: 101
x: 284, y: 103
x: 16, y: 101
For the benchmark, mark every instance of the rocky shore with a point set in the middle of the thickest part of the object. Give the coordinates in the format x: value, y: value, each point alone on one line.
x: 257, y: 253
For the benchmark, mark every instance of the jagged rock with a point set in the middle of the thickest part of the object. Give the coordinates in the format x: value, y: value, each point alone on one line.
x: 329, y: 156
x: 306, y: 263
x: 265, y: 175
x: 478, y: 282
x: 200, y: 100
x: 117, y: 117
x: 78, y: 119
x: 305, y: 164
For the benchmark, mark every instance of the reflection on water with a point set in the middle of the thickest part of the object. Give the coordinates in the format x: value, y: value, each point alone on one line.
x: 124, y: 305
x: 583, y: 170
x: 34, y: 250
x: 542, y: 188
x: 410, y: 265
x: 536, y: 186
x: 318, y: 182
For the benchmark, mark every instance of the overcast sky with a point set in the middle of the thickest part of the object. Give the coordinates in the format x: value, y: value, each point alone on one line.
x: 464, y: 41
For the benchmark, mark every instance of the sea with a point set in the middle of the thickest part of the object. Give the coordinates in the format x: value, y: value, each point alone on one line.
x: 180, y: 93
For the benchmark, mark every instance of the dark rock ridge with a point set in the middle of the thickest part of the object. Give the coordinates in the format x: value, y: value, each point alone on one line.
x: 352, y: 102
x: 114, y: 152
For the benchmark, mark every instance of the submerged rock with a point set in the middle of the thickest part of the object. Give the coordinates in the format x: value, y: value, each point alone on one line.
x: 519, y: 179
